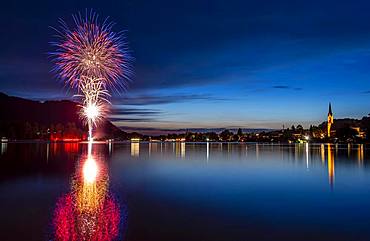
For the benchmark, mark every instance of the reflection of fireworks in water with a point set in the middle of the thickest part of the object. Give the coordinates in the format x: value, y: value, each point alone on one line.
x: 88, y: 212
x: 69, y: 225
x: 90, y: 171
x: 90, y: 188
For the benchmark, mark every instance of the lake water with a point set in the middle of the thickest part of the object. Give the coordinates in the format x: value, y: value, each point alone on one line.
x: 184, y: 191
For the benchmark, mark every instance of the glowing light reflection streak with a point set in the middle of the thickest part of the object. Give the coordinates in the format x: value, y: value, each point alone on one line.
x: 331, y: 166
x: 88, y: 212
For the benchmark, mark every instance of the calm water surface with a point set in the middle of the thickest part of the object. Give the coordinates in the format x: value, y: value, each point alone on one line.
x: 184, y: 191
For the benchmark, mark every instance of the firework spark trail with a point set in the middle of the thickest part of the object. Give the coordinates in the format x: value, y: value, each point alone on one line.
x: 95, y: 101
x: 92, y: 58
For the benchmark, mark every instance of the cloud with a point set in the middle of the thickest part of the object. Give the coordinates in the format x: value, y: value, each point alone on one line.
x: 124, y: 114
x: 286, y: 87
x: 281, y: 87
x: 163, y: 99
x: 135, y: 111
x: 128, y: 119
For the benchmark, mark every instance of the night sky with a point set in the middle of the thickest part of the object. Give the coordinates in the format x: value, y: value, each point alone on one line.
x: 209, y: 64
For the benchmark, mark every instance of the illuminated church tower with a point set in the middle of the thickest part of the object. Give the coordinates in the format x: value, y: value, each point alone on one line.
x: 330, y: 119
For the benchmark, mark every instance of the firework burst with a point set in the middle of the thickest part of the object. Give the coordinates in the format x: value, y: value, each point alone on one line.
x: 92, y: 58
x: 91, y: 48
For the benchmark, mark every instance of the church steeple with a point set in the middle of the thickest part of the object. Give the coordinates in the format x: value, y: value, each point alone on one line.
x: 330, y: 112
x: 330, y: 119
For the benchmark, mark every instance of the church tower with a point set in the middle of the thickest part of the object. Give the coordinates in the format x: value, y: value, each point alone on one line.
x: 330, y: 119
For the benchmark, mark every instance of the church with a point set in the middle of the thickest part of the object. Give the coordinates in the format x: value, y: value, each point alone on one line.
x: 330, y: 120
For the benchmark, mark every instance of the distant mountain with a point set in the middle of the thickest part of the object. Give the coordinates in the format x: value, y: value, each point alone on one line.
x: 218, y: 130
x: 155, y: 131
x: 28, y: 119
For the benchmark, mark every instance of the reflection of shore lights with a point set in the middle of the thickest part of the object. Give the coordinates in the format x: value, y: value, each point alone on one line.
x: 322, y: 153
x: 135, y: 149
x: 90, y: 170
x: 183, y: 149
x: 331, y: 167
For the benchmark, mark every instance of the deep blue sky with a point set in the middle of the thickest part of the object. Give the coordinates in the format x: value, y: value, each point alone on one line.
x: 209, y: 63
